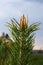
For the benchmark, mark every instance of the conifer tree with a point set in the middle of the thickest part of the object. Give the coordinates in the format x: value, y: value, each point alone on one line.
x: 22, y: 41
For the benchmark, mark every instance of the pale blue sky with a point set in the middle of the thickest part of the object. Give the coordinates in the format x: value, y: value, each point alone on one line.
x: 15, y: 8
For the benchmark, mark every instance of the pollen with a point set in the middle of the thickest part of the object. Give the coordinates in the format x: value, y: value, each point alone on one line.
x: 23, y: 21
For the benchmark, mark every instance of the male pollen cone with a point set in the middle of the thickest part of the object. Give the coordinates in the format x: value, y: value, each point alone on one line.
x: 23, y: 21
x: 8, y: 44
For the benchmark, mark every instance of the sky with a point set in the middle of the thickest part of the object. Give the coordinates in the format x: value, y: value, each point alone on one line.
x: 15, y: 8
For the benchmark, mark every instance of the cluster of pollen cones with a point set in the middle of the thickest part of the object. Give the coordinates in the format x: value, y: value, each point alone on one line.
x: 23, y: 21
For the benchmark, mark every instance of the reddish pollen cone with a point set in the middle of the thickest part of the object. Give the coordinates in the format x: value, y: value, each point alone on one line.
x: 22, y: 21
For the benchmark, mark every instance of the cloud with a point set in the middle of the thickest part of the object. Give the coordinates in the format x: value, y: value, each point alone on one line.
x: 40, y: 1
x: 7, y: 1
x: 38, y: 47
x: 9, y: 10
